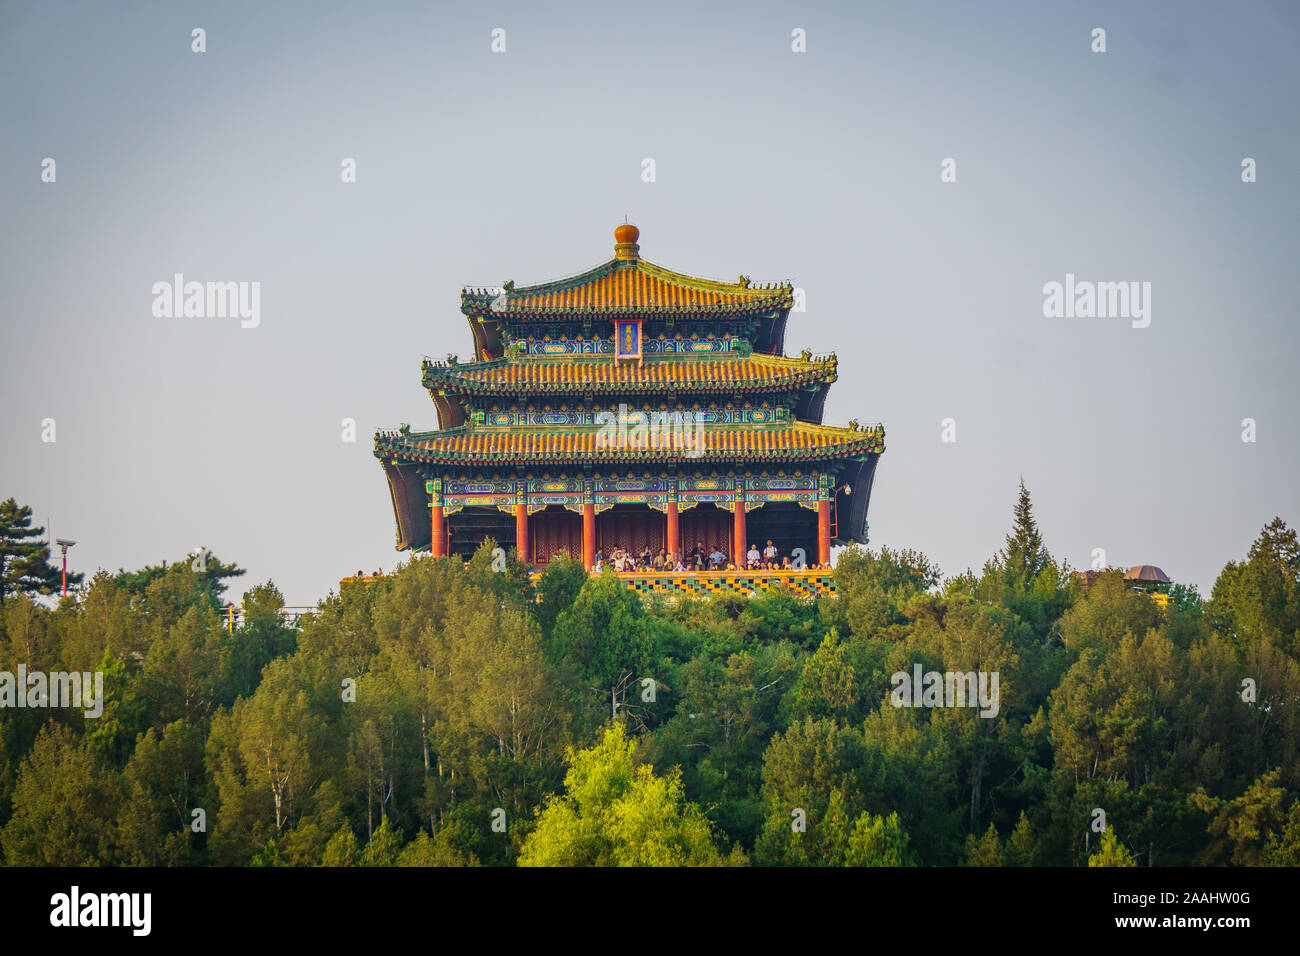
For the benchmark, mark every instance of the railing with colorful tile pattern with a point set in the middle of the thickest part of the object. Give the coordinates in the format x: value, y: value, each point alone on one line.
x: 807, y: 583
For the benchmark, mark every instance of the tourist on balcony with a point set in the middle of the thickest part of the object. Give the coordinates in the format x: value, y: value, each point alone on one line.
x: 785, y: 564
x: 751, y: 558
x: 659, y: 560
x: 716, y: 558
x: 679, y: 565
x: 769, y: 554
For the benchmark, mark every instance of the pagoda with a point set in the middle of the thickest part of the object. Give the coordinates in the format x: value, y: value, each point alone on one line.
x: 547, y: 441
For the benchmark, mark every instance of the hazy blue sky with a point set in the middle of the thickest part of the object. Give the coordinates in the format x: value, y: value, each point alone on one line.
x: 822, y: 168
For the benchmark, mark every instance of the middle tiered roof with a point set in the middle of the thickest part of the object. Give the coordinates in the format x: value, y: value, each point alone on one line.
x: 801, y: 383
x: 725, y: 373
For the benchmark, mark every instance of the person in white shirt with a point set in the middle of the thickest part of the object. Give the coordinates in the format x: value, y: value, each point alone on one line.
x: 769, y: 553
x: 751, y: 556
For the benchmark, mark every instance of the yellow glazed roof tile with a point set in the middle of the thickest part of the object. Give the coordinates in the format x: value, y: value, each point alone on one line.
x: 550, y: 375
x: 799, y: 440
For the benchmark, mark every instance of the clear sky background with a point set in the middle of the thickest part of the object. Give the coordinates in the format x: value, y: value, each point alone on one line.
x: 821, y: 168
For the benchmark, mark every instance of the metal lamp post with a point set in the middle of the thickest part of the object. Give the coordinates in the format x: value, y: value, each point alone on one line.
x: 64, y: 544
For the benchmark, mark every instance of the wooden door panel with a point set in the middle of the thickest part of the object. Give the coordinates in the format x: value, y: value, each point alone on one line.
x: 553, y: 532
x: 711, y: 526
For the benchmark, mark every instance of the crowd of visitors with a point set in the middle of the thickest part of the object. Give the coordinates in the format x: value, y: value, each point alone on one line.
x: 699, y: 559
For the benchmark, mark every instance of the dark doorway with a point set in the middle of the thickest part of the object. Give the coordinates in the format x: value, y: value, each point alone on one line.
x: 470, y: 526
x: 789, y: 526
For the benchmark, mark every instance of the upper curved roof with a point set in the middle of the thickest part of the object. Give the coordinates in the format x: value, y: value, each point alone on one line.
x: 628, y: 284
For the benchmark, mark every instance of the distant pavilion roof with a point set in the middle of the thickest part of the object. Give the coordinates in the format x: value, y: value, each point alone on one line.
x: 1146, y: 573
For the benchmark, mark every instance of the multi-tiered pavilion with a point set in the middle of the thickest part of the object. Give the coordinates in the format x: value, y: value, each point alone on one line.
x: 524, y: 452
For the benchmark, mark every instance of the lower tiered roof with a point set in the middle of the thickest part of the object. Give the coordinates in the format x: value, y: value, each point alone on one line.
x: 477, y: 444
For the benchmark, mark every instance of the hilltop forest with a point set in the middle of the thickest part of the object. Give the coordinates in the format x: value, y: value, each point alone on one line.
x: 453, y: 714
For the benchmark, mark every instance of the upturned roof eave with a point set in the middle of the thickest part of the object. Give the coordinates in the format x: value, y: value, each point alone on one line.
x: 843, y: 443
x: 750, y: 298
x: 786, y: 374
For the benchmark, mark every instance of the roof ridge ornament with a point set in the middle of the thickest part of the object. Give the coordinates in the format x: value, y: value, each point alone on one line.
x: 625, y: 242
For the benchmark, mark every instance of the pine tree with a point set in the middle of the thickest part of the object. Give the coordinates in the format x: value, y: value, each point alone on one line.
x: 1020, y: 850
x: 879, y: 841
x: 1024, y: 555
x: 1111, y: 852
x: 1278, y: 542
x: 1284, y: 846
x: 24, y: 558
x: 985, y: 850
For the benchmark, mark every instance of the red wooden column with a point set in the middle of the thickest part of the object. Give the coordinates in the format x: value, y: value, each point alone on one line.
x: 741, y: 546
x: 673, y: 535
x: 588, y: 534
x: 588, y: 524
x: 438, y: 543
x: 823, y: 532
x: 521, y: 533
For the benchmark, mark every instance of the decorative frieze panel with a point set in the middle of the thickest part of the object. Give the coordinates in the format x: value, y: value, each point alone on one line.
x: 560, y: 485
x: 658, y: 502
x: 711, y: 483
x: 479, y: 486
x: 679, y: 345
x: 564, y: 491
x: 455, y: 494
x: 689, y: 499
x: 558, y: 417
x: 541, y: 502
x: 501, y: 503
x: 607, y: 485
x: 570, y: 491
x: 657, y: 345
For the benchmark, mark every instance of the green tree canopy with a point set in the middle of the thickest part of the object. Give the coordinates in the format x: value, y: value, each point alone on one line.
x: 615, y: 812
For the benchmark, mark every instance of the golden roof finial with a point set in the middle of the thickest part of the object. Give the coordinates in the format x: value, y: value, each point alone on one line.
x: 625, y: 237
